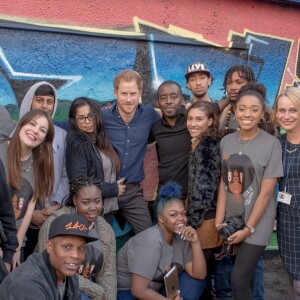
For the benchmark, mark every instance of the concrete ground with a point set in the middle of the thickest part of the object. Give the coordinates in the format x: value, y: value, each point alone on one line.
x: 275, y: 277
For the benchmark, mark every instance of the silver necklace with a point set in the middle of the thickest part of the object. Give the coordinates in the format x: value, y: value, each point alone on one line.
x: 26, y: 166
x: 291, y: 151
x: 243, y: 148
x: 293, y: 147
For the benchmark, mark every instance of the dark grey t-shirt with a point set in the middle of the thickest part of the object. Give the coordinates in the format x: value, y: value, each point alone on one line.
x: 147, y: 254
x: 243, y: 175
x: 93, y: 255
x: 21, y: 197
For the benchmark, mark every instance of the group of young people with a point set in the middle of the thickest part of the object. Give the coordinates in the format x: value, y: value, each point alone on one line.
x: 218, y: 165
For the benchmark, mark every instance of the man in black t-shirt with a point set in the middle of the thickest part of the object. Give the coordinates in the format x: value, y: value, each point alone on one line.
x: 173, y: 141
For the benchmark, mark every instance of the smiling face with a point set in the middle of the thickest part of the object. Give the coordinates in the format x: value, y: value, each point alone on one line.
x: 88, y: 202
x: 34, y: 133
x: 128, y: 96
x: 85, y: 119
x: 170, y: 100
x: 199, y: 83
x: 249, y: 111
x: 173, y: 216
x: 288, y: 115
x: 66, y: 253
x: 197, y: 122
x: 234, y: 84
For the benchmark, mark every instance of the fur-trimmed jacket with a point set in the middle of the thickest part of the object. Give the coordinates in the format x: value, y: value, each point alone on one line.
x: 203, y: 182
x: 106, y: 279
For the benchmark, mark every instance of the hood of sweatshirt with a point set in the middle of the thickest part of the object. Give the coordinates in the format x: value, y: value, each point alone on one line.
x: 27, y: 100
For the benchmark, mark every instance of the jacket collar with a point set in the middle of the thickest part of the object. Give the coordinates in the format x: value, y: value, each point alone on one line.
x: 69, y: 288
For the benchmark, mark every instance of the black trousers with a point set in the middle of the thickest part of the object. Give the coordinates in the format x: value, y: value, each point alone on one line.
x: 32, y: 236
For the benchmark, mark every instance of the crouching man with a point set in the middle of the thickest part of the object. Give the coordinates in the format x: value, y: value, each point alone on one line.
x: 52, y: 273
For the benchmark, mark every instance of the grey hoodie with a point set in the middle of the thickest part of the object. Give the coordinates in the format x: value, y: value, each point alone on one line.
x: 61, y: 181
x: 27, y: 100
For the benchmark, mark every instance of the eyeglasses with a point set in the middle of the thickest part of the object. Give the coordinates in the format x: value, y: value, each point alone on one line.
x: 82, y: 119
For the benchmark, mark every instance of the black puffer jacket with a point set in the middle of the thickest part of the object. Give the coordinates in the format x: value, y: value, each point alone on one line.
x: 36, y: 279
x: 83, y: 158
x: 7, y: 219
x: 204, y: 175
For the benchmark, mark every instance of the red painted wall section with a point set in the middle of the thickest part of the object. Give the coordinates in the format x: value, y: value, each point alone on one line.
x: 212, y: 19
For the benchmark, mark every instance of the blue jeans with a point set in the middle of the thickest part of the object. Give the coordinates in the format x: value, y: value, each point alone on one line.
x: 190, y: 288
x: 84, y: 296
x: 223, y: 272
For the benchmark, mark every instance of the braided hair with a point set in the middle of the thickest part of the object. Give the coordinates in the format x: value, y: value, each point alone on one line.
x: 244, y: 71
x: 76, y: 184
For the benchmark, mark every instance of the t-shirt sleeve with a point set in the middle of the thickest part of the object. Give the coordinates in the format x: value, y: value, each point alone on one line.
x: 143, y: 260
x: 274, y: 167
x: 187, y: 255
x: 216, y: 107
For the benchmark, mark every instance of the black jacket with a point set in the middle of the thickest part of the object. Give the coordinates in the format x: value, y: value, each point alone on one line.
x: 7, y: 218
x: 83, y: 158
x: 36, y: 279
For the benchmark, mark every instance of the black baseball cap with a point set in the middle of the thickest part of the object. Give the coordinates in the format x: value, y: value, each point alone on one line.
x: 72, y: 225
x: 195, y: 68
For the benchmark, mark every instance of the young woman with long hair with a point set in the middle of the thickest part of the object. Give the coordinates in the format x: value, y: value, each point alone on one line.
x: 90, y: 153
x: 203, y: 181
x: 28, y: 160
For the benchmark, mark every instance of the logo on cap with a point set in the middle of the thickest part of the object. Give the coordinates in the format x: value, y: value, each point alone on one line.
x: 76, y: 226
x: 196, y: 67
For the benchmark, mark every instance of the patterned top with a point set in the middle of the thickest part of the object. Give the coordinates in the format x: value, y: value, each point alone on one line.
x: 291, y: 179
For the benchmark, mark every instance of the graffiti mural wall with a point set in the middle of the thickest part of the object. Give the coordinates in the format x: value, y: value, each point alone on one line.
x: 83, y: 61
x: 79, y: 46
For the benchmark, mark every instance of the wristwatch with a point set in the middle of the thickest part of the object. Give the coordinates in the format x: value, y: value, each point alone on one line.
x: 251, y: 229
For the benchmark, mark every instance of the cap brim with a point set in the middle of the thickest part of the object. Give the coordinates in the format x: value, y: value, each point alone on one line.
x: 198, y: 71
x: 88, y: 239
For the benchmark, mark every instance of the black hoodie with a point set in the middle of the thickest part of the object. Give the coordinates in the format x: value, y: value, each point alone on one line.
x: 7, y: 218
x: 36, y: 279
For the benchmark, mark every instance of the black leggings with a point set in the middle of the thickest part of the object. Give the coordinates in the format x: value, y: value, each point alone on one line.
x: 244, y: 266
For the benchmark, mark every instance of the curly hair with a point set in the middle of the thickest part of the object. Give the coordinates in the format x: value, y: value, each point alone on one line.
x: 244, y: 71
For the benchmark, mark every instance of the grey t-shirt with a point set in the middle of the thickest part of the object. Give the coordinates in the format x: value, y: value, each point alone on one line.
x: 111, y: 203
x: 147, y: 254
x: 62, y: 289
x: 243, y: 174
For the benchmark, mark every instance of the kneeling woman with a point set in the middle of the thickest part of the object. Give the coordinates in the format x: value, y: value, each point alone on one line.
x: 148, y: 256
x: 98, y: 271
